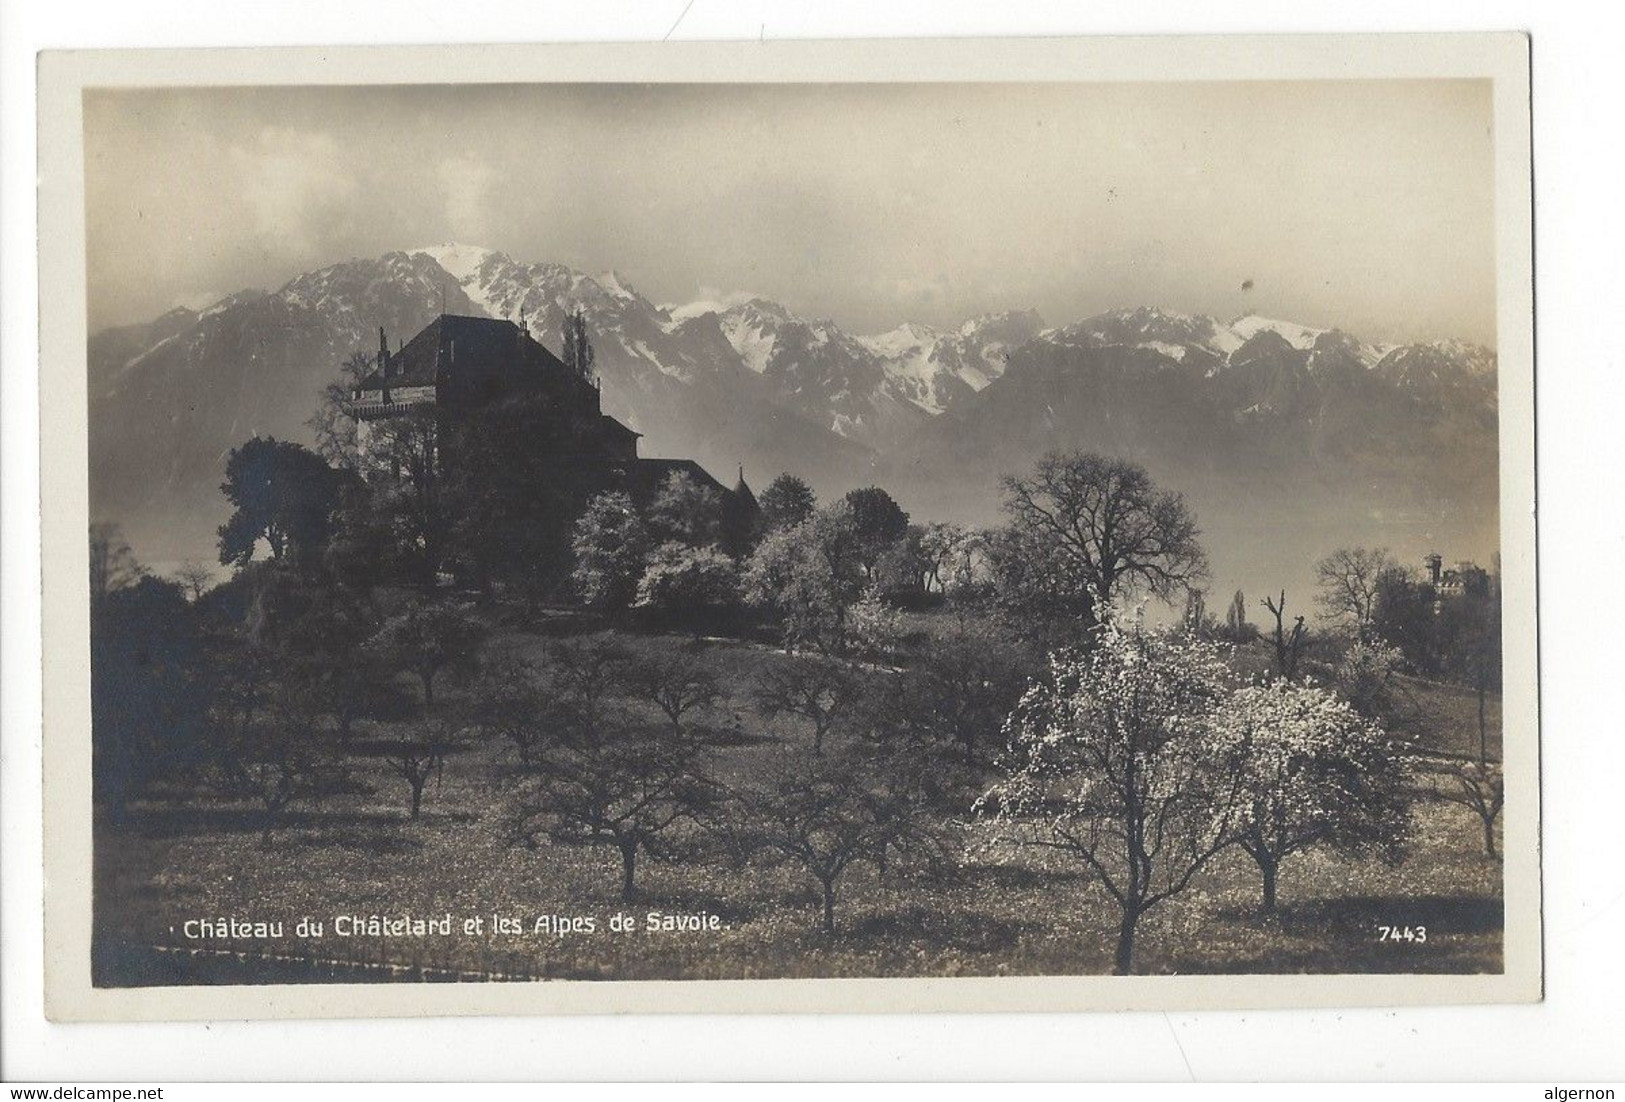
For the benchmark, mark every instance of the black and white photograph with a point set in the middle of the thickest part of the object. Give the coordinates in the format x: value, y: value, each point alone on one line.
x: 568, y: 531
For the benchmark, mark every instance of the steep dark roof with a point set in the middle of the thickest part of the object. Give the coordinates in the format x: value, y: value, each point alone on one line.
x: 614, y: 425
x: 453, y: 338
x: 651, y: 474
x: 742, y: 492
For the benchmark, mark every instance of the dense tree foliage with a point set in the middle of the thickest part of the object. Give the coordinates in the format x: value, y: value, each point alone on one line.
x: 1469, y: 627
x: 962, y: 688
x: 1237, y: 629
x: 408, y: 495
x: 611, y: 547
x: 950, y: 556
x: 1364, y: 676
x: 878, y: 523
x: 786, y: 502
x: 281, y: 493
x: 685, y: 511
x: 688, y: 585
x: 925, y: 662
x: 1403, y: 616
x: 576, y: 350
x: 150, y: 683
x: 810, y: 576
x: 335, y: 429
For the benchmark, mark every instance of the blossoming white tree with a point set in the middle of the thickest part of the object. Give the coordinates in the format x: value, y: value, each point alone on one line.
x: 1111, y: 761
x: 1315, y: 772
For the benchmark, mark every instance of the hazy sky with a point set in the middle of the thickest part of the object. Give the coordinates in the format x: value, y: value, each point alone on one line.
x: 1368, y: 205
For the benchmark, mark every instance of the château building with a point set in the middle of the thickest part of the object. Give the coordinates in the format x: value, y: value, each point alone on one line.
x: 459, y: 365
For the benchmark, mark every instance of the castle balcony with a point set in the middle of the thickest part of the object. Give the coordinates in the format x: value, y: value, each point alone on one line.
x: 373, y: 409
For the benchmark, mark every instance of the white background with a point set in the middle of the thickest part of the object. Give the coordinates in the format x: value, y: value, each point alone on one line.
x: 1579, y: 191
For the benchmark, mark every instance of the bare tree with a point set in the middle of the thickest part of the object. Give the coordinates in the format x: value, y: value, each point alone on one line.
x: 824, y: 815
x: 419, y: 753
x: 508, y: 701
x: 676, y: 684
x: 1348, y: 580
x: 279, y: 758
x: 584, y: 677
x: 1288, y: 645
x: 627, y: 788
x: 195, y: 578
x: 957, y: 693
x: 1479, y: 787
x: 1114, y: 530
x: 818, y: 692
x: 427, y: 639
x: 112, y: 564
x: 332, y: 424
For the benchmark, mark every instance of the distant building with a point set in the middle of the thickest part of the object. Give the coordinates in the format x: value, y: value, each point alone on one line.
x: 458, y: 365
x: 1464, y: 579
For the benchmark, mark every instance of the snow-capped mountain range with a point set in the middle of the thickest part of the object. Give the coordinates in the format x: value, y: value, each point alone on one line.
x: 859, y: 387
x: 859, y: 384
x: 753, y: 382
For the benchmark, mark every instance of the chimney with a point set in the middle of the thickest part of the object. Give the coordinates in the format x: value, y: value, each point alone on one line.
x: 383, y: 354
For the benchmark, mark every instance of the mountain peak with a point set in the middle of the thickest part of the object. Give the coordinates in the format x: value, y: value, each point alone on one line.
x: 614, y: 283
x: 1301, y: 337
x: 460, y: 261
x: 910, y: 338
x: 1017, y: 326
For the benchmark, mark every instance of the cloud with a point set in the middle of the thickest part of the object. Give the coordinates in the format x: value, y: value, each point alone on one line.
x: 927, y: 291
x: 198, y: 300
x: 467, y: 184
x: 296, y: 186
x: 710, y: 300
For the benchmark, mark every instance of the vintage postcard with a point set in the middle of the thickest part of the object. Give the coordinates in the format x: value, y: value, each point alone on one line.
x: 948, y: 525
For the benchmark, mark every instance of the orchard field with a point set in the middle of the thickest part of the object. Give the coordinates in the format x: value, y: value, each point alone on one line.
x: 181, y: 854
